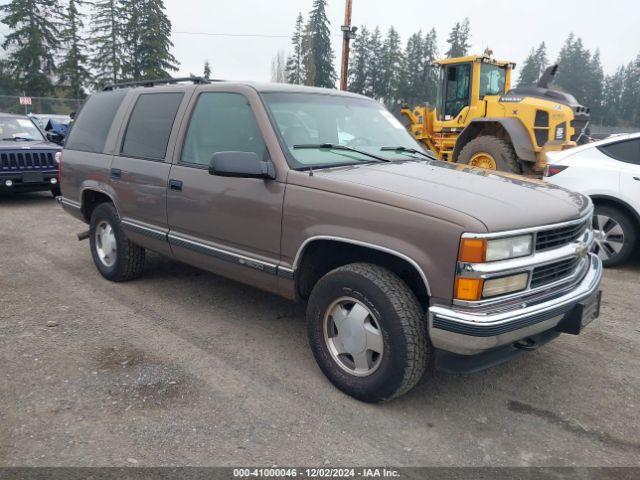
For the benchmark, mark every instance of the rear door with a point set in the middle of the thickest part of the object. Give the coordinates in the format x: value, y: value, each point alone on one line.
x: 140, y: 170
x: 228, y: 225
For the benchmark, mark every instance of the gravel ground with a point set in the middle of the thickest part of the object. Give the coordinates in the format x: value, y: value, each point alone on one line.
x: 182, y: 367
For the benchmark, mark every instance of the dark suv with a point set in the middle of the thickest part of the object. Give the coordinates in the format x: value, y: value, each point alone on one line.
x: 28, y: 161
x: 324, y: 197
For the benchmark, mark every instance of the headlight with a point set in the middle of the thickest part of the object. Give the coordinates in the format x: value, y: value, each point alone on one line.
x: 57, y: 157
x: 480, y: 250
x: 512, y: 247
x: 500, y: 286
x: 561, y: 131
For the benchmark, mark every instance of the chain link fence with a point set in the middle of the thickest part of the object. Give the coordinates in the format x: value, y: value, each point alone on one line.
x: 40, y: 105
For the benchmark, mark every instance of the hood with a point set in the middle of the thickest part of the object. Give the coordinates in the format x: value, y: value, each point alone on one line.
x: 25, y: 145
x: 501, y: 201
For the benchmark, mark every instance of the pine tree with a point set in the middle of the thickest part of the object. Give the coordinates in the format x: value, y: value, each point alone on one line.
x: 459, y: 39
x: 317, y: 51
x: 148, y: 38
x: 534, y: 66
x: 574, y: 73
x: 206, y: 72
x: 375, y: 84
x: 412, y: 72
x: 420, y: 79
x: 31, y: 43
x: 612, y: 98
x: 107, y: 41
x: 392, y: 64
x: 359, y: 61
x: 630, y: 96
x: 294, y: 69
x: 595, y: 87
x: 429, y: 72
x: 73, y: 72
x: 278, y: 68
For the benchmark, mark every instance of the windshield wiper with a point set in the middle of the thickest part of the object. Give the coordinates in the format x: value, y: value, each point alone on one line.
x: 408, y: 150
x: 333, y: 146
x: 26, y: 139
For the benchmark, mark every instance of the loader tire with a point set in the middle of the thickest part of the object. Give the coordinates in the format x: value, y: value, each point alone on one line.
x: 490, y: 153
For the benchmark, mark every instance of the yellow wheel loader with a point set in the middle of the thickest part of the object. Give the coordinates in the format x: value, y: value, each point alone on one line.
x: 479, y: 120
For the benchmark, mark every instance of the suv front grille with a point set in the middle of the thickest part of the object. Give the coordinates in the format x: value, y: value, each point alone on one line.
x: 553, y: 272
x: 557, y: 237
x: 27, y: 160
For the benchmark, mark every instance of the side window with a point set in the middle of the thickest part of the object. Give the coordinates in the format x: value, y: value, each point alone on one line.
x: 90, y: 130
x: 221, y: 122
x: 626, y: 151
x: 150, y: 125
x: 457, y: 90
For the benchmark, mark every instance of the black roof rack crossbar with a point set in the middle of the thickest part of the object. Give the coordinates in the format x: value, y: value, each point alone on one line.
x: 163, y: 81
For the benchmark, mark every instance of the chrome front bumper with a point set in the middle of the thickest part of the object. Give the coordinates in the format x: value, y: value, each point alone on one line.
x: 465, y: 332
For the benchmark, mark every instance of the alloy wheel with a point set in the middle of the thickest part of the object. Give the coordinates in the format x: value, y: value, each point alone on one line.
x: 353, y: 336
x: 609, y: 237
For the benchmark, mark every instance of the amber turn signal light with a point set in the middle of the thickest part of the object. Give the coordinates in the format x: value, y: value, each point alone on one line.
x: 469, y: 289
x: 473, y: 250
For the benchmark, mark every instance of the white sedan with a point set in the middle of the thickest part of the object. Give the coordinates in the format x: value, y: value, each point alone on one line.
x: 609, y: 172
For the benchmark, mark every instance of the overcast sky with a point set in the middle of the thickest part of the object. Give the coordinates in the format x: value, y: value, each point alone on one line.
x: 509, y: 27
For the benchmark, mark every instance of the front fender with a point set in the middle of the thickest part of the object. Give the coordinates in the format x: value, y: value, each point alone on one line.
x: 519, y: 135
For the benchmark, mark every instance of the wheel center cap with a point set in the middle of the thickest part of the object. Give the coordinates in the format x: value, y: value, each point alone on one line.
x: 353, y: 336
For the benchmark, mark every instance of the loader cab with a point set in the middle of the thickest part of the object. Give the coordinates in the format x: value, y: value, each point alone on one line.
x: 464, y: 81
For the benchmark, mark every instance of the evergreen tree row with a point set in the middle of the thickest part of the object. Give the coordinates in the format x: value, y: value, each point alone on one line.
x: 380, y: 66
x: 51, y: 52
x: 614, y: 99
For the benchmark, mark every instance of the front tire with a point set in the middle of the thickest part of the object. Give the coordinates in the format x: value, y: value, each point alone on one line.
x: 115, y: 256
x: 490, y: 153
x: 367, y: 332
x: 615, y: 235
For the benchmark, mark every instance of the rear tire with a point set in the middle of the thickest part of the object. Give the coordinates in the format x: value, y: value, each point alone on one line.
x: 115, y: 256
x: 389, y: 314
x: 501, y: 151
x: 616, y: 235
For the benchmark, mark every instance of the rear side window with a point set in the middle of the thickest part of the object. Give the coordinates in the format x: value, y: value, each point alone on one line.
x: 90, y: 130
x: 221, y: 122
x: 150, y: 125
x: 626, y: 151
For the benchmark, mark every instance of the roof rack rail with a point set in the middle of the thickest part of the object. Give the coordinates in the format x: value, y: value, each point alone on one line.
x: 153, y: 83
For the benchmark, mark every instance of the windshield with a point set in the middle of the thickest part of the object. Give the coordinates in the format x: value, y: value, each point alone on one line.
x: 19, y: 129
x: 492, y: 80
x: 306, y: 119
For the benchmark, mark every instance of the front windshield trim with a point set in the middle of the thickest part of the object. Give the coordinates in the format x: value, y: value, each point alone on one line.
x: 290, y: 158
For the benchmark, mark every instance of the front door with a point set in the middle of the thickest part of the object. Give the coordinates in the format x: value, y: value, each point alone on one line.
x: 228, y: 225
x: 630, y: 175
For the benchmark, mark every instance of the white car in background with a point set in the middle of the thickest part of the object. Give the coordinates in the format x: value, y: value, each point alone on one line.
x: 609, y: 172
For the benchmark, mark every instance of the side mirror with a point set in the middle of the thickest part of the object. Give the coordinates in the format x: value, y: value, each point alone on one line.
x: 240, y: 165
x: 55, y: 138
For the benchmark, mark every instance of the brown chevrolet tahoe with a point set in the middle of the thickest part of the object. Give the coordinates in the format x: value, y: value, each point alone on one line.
x: 323, y: 197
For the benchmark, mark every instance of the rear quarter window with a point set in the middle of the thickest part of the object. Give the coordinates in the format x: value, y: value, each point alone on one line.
x: 627, y: 151
x: 150, y: 125
x: 91, y: 128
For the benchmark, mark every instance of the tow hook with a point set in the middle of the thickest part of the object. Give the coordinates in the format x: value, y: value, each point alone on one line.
x: 527, y: 344
x: 84, y: 235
